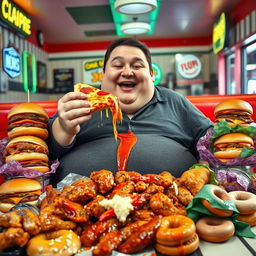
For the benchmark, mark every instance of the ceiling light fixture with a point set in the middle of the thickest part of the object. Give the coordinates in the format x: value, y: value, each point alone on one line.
x: 135, y: 6
x: 135, y: 28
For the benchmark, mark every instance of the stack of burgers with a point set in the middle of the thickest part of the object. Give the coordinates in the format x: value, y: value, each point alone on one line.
x: 27, y: 131
x: 234, y: 112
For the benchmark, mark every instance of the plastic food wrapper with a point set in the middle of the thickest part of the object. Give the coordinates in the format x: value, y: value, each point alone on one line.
x: 205, y: 153
x: 14, y: 169
x: 234, y: 179
x: 67, y: 181
x: 195, y: 210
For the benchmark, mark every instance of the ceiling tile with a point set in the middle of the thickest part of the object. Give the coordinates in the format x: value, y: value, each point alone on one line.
x: 91, y: 14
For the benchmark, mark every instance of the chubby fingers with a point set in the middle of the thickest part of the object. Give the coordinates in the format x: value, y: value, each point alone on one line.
x: 73, y: 109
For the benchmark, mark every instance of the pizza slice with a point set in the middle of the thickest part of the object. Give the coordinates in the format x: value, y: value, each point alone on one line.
x: 100, y: 100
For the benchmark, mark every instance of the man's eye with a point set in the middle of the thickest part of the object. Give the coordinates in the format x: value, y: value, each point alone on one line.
x: 137, y: 66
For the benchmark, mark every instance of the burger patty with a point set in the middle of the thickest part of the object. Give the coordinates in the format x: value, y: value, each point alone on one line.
x: 24, y: 147
x: 34, y: 117
x: 231, y: 145
x: 39, y: 125
x: 246, y: 119
x: 35, y: 164
x: 26, y: 198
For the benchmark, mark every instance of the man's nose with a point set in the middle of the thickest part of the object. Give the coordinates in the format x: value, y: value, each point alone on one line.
x: 127, y: 71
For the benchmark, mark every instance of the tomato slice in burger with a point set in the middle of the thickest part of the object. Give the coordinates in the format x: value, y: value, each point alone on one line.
x: 29, y: 121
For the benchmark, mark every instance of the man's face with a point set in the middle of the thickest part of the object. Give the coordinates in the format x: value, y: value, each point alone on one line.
x: 127, y: 75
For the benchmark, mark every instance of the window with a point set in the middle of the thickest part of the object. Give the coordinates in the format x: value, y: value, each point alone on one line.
x: 249, y: 69
x: 230, y: 79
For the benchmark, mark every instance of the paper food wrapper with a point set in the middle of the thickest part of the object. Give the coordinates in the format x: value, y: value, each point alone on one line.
x: 205, y: 153
x: 14, y: 169
x: 195, y: 210
x: 67, y: 181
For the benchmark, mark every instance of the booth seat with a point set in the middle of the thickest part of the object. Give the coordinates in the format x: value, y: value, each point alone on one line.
x: 205, y: 104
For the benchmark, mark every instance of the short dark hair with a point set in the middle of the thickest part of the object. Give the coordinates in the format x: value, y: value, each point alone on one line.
x: 129, y: 42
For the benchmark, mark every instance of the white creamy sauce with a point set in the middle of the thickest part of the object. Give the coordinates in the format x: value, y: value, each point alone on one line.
x: 121, y: 206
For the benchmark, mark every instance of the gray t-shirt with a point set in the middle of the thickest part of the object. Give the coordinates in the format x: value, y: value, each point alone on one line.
x: 167, y: 131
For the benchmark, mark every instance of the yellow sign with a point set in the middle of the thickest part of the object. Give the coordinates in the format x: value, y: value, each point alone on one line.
x: 219, y: 34
x: 93, y: 71
x: 15, y: 17
x: 93, y: 64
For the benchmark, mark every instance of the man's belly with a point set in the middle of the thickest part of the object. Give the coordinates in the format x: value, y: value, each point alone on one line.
x: 151, y: 154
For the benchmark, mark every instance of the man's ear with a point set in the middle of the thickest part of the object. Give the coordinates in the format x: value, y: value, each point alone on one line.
x: 152, y: 75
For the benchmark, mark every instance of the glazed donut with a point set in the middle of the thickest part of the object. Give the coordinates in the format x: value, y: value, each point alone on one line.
x: 182, y: 249
x: 245, y: 201
x: 249, y: 219
x: 218, y: 194
x: 61, y: 242
x: 175, y: 230
x: 215, y: 229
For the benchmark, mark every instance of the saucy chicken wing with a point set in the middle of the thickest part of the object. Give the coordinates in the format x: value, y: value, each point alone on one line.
x: 141, y: 238
x: 104, y: 180
x: 12, y: 237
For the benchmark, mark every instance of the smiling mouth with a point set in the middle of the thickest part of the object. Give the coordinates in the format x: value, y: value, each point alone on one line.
x: 126, y: 85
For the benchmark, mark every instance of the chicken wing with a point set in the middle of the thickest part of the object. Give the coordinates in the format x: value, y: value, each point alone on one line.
x: 12, y: 237
x: 195, y: 179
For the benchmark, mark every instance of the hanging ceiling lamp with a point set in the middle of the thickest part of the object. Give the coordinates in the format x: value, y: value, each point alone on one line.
x: 135, y: 28
x: 135, y: 6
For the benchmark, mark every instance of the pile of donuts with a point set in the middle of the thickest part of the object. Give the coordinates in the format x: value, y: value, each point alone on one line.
x: 176, y: 236
x: 218, y: 228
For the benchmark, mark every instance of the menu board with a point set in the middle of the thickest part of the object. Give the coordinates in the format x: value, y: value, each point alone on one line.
x: 63, y: 80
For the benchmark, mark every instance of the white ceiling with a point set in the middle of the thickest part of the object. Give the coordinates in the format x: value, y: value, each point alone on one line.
x: 177, y: 18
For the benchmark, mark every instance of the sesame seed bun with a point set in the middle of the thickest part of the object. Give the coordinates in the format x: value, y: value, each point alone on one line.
x: 233, y: 138
x: 19, y: 185
x: 33, y: 131
x: 233, y: 104
x: 28, y: 108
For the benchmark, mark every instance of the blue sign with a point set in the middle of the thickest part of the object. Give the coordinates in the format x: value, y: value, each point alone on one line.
x: 11, y: 62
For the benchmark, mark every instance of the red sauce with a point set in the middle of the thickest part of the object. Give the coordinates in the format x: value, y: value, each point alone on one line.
x: 127, y: 141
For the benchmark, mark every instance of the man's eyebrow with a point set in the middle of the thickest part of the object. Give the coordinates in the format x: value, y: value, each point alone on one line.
x: 121, y: 58
x: 117, y: 58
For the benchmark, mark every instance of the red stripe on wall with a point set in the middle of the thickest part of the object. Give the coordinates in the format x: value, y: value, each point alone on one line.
x: 163, y: 42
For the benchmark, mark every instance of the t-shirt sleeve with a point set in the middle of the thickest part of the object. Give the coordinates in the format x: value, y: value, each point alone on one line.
x: 196, y: 123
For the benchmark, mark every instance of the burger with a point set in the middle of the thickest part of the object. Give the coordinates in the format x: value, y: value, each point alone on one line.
x: 30, y: 151
x: 19, y: 190
x: 230, y: 145
x: 27, y: 119
x: 234, y: 112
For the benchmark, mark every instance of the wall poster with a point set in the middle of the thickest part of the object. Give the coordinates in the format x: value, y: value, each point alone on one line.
x: 41, y: 77
x: 63, y: 80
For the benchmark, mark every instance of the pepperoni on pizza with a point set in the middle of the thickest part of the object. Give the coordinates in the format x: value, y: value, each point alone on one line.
x: 100, y: 100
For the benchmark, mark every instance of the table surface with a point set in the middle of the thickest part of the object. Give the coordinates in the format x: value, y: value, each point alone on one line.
x: 235, y: 246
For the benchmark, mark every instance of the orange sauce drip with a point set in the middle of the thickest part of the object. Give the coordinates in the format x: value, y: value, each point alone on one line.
x: 127, y: 141
x: 117, y: 115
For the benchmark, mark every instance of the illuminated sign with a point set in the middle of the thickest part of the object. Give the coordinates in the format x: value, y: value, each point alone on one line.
x: 219, y: 36
x: 15, y: 17
x: 157, y: 73
x: 93, y: 71
x: 29, y: 71
x: 11, y: 62
x: 189, y: 66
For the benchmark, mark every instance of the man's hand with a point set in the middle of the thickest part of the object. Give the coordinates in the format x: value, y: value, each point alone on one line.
x: 73, y: 110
